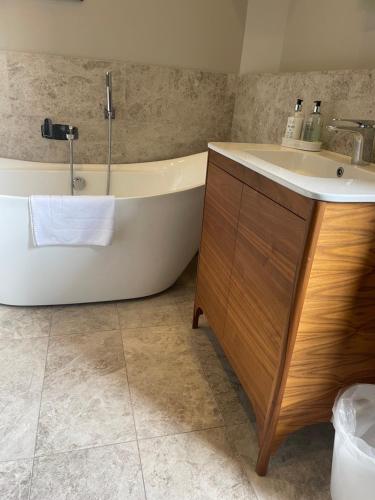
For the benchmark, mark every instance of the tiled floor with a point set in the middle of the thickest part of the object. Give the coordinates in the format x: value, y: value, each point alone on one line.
x: 125, y: 401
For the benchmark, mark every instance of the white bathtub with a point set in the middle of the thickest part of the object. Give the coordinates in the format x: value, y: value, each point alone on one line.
x: 157, y: 230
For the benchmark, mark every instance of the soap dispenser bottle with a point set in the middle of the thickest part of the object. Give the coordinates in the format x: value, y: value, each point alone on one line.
x: 313, y: 124
x: 295, y: 122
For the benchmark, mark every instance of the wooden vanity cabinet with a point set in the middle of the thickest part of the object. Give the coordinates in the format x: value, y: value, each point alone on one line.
x: 288, y: 286
x: 270, y: 240
x: 222, y: 206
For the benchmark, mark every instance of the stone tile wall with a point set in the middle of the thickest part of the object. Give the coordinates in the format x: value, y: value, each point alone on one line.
x: 161, y: 112
x: 264, y: 101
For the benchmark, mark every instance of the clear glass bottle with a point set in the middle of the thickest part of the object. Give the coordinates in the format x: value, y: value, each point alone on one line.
x: 313, y: 124
x: 295, y: 122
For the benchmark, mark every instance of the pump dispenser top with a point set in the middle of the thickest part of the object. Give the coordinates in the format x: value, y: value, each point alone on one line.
x: 313, y: 124
x: 295, y: 122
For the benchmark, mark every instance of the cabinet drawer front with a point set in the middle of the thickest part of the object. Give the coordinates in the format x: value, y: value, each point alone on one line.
x: 222, y: 206
x: 268, y: 250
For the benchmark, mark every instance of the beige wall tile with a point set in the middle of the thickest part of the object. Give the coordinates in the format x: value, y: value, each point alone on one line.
x: 265, y: 100
x: 161, y: 112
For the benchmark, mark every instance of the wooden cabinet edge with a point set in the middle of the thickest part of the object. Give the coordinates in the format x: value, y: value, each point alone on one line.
x: 269, y: 441
x: 198, y: 302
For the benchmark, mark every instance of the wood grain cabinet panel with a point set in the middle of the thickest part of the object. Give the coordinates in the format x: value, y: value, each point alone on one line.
x: 270, y: 241
x: 288, y: 286
x: 222, y: 206
x: 285, y: 197
x: 335, y: 340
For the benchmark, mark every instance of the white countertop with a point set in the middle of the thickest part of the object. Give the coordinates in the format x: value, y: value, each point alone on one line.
x: 356, y: 185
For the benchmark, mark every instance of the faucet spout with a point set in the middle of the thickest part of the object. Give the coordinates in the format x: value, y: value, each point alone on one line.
x: 363, y: 132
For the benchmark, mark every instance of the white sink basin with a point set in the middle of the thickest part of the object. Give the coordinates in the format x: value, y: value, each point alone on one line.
x: 323, y: 176
x: 302, y: 163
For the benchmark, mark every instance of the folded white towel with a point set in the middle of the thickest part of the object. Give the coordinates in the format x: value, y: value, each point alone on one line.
x: 72, y: 220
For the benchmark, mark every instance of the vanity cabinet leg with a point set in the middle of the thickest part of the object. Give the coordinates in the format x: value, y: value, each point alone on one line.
x: 263, y: 460
x: 197, y: 312
x: 271, y: 441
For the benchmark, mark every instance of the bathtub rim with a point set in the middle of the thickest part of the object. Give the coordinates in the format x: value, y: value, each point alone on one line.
x: 92, y: 166
x: 167, y: 193
x: 96, y: 167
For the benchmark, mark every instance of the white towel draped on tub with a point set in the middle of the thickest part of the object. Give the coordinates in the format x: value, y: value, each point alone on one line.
x: 72, y: 220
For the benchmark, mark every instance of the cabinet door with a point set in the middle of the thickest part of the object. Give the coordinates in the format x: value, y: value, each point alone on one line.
x: 221, y: 210
x: 269, y: 246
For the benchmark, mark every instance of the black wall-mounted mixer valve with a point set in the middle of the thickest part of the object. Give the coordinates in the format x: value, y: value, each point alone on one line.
x: 57, y: 131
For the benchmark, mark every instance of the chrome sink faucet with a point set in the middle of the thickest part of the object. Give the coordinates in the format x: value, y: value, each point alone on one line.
x: 363, y: 134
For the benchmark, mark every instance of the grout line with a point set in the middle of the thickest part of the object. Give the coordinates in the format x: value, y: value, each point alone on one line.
x: 91, y: 447
x: 132, y: 410
x: 83, y: 448
x: 18, y: 459
x: 46, y: 336
x: 159, y: 325
x: 51, y: 322
x: 40, y: 406
x: 203, y: 429
x: 87, y: 332
x: 241, y: 463
x: 31, y: 480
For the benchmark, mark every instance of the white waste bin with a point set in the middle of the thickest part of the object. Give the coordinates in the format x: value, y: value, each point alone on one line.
x: 353, y: 466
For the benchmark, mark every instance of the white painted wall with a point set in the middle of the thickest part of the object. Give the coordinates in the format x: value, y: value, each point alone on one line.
x: 264, y: 35
x: 303, y: 35
x: 280, y: 35
x: 329, y: 34
x: 204, y: 34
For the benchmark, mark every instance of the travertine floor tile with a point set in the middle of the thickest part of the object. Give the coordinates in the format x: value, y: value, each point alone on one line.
x: 188, y: 277
x: 157, y: 310
x: 85, y: 398
x: 104, y: 473
x: 84, y: 318
x: 193, y: 466
x: 169, y: 391
x: 21, y: 377
x: 300, y: 469
x: 24, y: 322
x: 15, y: 479
x: 183, y: 390
x: 184, y: 298
x: 230, y: 397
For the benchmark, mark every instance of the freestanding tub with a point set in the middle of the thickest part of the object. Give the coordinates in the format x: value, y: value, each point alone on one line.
x: 157, y: 230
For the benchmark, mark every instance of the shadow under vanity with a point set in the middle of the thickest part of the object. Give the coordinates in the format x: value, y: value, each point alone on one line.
x: 287, y: 284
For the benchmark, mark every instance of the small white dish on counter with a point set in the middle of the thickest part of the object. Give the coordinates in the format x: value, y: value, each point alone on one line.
x: 302, y: 145
x: 324, y: 175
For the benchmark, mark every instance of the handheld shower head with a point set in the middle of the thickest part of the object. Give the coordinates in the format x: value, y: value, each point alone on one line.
x: 108, y: 84
x: 109, y: 114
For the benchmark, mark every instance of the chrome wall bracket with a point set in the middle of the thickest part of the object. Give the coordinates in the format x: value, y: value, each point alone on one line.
x: 106, y: 114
